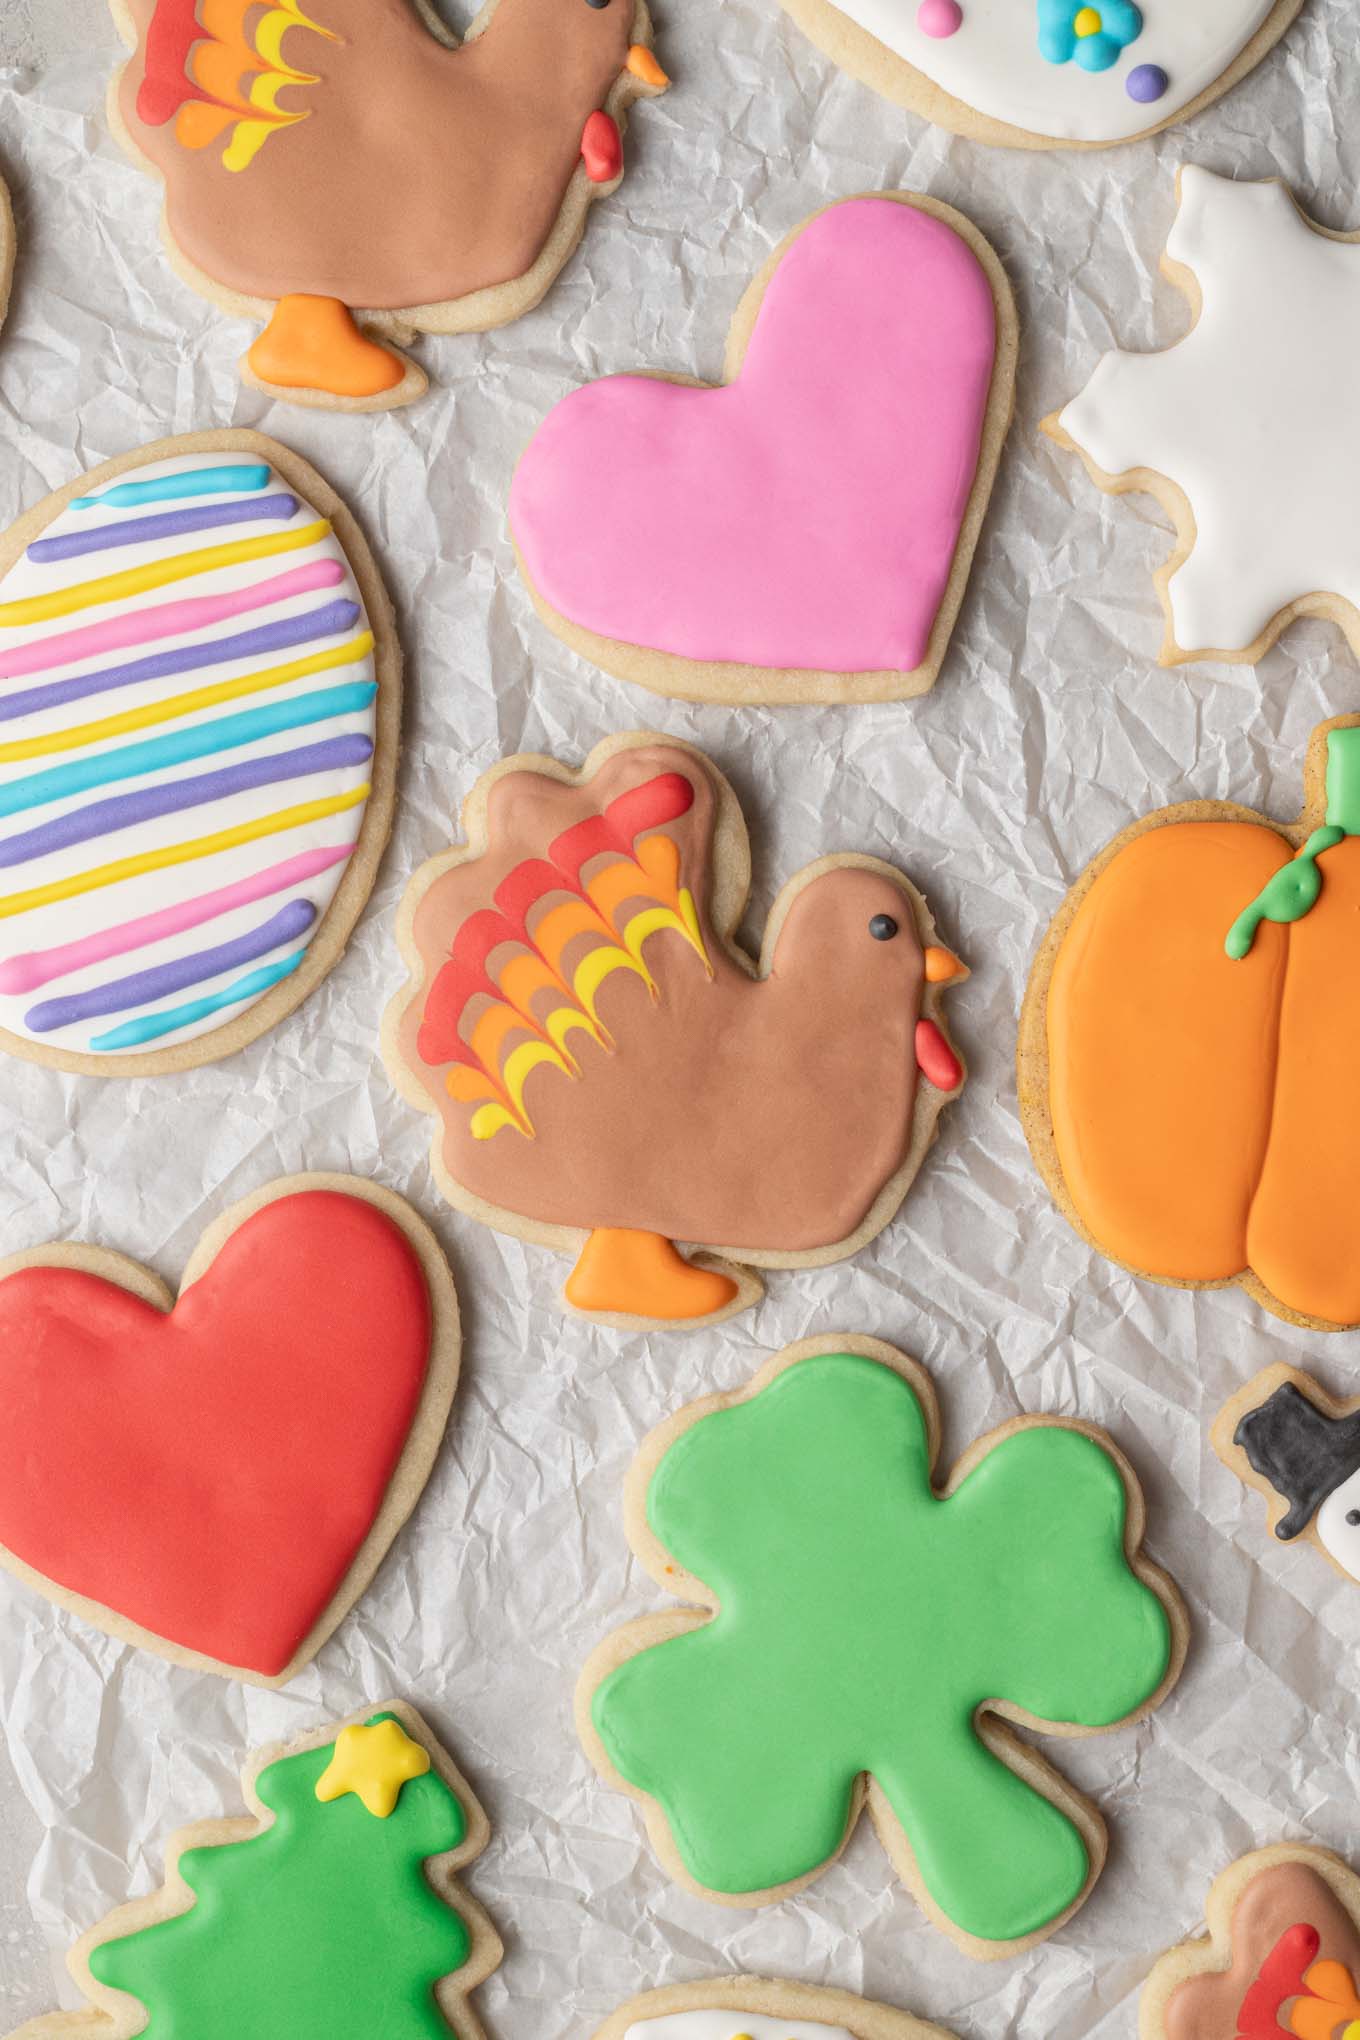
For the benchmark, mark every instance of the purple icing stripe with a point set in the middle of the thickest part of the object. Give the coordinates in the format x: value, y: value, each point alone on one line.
x: 143, y: 987
x: 331, y: 620
x: 127, y: 810
x: 151, y: 530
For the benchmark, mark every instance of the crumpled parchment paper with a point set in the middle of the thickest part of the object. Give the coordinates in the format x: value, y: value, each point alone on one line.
x: 1049, y: 730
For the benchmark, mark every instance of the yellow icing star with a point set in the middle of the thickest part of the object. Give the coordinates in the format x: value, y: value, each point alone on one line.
x: 375, y: 1762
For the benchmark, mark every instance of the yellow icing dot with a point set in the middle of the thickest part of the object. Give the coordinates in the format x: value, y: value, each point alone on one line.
x: 374, y: 1762
x: 1087, y: 21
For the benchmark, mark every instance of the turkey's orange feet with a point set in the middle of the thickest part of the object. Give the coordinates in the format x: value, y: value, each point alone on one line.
x: 312, y: 343
x: 622, y: 1273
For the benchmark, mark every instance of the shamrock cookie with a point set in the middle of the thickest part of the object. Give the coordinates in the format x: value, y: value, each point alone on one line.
x: 1282, y: 1958
x: 853, y: 1619
x: 1188, y: 1078
x: 610, y: 1072
x: 217, y: 1476
x: 1262, y: 503
x: 349, y: 154
x: 1037, y: 74
x: 870, y: 372
x: 1288, y: 1439
x: 331, y: 1911
x: 757, y: 2008
x: 200, y: 699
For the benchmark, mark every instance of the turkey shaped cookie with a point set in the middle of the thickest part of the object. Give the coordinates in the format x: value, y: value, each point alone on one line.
x: 1188, y: 1076
x: 805, y: 530
x: 348, y: 154
x: 609, y: 1072
x: 1282, y: 1960
x: 200, y: 700
x: 1039, y: 74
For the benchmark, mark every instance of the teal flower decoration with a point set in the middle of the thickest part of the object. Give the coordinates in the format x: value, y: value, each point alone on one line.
x: 1096, y: 35
x: 857, y: 1624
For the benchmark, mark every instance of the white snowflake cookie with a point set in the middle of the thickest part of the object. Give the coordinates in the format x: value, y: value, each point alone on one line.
x: 1242, y: 429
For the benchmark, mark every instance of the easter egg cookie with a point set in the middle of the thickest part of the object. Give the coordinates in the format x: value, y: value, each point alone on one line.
x: 200, y: 699
x: 610, y: 1072
x: 217, y: 1476
x: 331, y: 1910
x: 857, y: 1635
x: 1281, y: 1960
x: 1038, y: 74
x: 349, y: 155
x: 1286, y: 1437
x: 1188, y: 1077
x: 870, y: 373
x: 759, y: 2008
x: 1259, y: 489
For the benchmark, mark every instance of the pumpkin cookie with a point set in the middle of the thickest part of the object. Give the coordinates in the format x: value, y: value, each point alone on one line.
x: 217, y: 1476
x: 609, y: 1071
x: 1282, y: 1960
x: 330, y: 1911
x: 341, y: 155
x: 200, y: 700
x: 1188, y: 1077
x: 849, y: 1617
x: 871, y: 370
x: 759, y: 2008
x: 1287, y: 1438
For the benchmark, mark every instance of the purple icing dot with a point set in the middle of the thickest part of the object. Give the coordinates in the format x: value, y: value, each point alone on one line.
x: 1147, y: 82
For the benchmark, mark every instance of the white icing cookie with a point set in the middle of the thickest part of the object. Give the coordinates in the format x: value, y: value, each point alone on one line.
x: 1035, y: 73
x: 731, y: 2025
x: 760, y: 2008
x: 1242, y: 429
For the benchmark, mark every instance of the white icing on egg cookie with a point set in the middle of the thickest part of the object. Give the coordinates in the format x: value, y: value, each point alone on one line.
x: 731, y: 2025
x: 1059, y: 70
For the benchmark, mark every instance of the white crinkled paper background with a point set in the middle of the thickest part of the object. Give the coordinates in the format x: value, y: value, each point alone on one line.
x: 1050, y: 729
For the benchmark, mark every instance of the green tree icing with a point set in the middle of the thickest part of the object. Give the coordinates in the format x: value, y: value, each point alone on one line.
x: 862, y: 1621
x: 321, y: 1928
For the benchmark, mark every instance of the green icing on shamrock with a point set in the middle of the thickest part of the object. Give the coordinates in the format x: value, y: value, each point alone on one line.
x: 861, y: 1623
x: 323, y: 1927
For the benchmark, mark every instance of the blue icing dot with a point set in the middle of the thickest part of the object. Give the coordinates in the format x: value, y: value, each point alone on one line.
x: 1120, y: 24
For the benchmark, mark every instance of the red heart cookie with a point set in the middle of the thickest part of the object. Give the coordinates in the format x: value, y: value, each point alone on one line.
x: 218, y: 1476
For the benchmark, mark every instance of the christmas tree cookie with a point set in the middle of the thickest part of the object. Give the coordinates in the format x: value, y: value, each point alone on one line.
x: 330, y: 1912
x: 858, y: 1636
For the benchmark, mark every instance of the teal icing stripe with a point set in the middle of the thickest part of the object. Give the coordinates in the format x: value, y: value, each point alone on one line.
x: 151, y: 1026
x: 204, y: 740
x: 207, y: 481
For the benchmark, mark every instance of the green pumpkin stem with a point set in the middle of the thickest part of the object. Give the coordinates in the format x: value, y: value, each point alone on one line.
x: 1293, y: 890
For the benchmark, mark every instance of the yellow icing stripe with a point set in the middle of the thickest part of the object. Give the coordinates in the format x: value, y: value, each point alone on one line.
x: 157, y: 574
x: 177, y: 705
x: 179, y: 853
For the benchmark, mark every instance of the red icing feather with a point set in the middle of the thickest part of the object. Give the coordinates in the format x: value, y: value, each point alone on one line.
x: 1281, y: 1977
x: 166, y: 82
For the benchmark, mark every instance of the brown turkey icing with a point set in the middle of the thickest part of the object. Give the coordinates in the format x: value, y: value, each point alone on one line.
x: 420, y: 173
x: 732, y: 1112
x: 1286, y: 1895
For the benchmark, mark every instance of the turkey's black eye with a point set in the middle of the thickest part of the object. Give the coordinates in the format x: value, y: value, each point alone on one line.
x: 883, y: 927
x: 1353, y: 1517
x: 597, y: 3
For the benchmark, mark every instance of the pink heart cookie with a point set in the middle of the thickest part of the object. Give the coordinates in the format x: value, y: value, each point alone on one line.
x: 804, y: 530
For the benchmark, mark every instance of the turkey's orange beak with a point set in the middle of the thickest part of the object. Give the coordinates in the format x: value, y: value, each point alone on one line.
x: 643, y: 65
x: 942, y: 967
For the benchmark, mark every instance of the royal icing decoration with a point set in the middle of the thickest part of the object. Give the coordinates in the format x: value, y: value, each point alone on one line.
x: 219, y: 1479
x: 600, y: 1059
x: 313, y: 1918
x: 1241, y: 418
x: 1303, y: 1450
x: 1060, y: 70
x: 1282, y: 1961
x: 863, y: 389
x: 343, y: 154
x: 1200, y: 1108
x: 858, y: 1622
x: 188, y: 723
x: 731, y: 2025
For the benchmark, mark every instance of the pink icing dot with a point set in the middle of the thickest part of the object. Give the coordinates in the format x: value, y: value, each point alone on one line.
x: 939, y: 17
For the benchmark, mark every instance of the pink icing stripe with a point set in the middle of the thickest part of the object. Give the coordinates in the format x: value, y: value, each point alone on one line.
x: 166, y: 619
x: 39, y: 966
x: 806, y: 515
